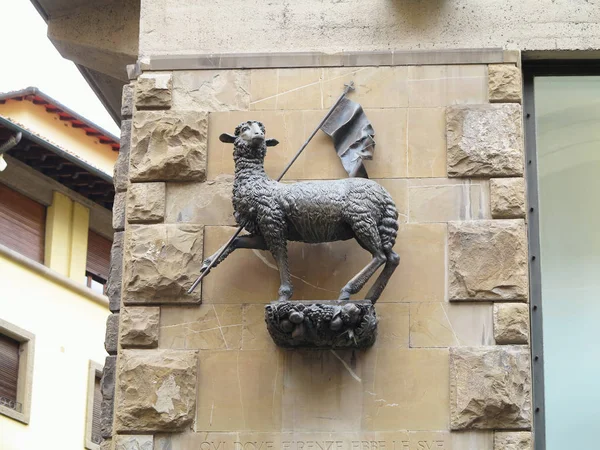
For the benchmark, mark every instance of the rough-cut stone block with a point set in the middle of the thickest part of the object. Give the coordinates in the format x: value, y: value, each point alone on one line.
x: 161, y: 263
x: 484, y: 140
x: 490, y: 388
x: 118, y: 212
x: 487, y: 260
x: 127, y: 100
x: 111, y: 338
x: 115, y: 273
x: 139, y: 326
x: 157, y: 390
x: 168, y: 146
x: 208, y: 203
x: 153, y: 91
x: 107, y: 388
x: 504, y: 83
x: 134, y: 442
x: 507, y: 197
x: 121, y: 170
x: 511, y: 323
x: 513, y: 440
x: 106, y: 444
x: 146, y: 202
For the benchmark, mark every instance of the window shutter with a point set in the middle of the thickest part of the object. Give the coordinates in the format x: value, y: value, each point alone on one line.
x: 98, y: 257
x: 96, y: 436
x: 9, y: 369
x: 22, y: 224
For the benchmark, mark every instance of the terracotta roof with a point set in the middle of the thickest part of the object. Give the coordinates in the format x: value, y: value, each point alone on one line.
x: 66, y: 114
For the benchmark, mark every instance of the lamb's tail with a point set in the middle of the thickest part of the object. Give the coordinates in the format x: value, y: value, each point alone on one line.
x: 388, y: 226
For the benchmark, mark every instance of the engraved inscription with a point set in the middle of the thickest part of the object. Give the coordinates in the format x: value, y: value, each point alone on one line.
x: 421, y: 444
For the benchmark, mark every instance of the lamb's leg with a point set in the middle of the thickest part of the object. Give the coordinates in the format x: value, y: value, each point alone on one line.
x: 285, y: 288
x: 392, y: 263
x: 255, y: 242
x: 367, y: 236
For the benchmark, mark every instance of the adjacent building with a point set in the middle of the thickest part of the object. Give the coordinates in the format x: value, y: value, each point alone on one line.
x: 56, y: 197
x: 485, y: 116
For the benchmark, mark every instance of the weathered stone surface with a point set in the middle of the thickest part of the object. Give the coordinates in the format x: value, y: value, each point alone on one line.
x: 484, y: 140
x: 490, y: 388
x: 211, y: 90
x: 134, y: 442
x: 139, y: 326
x: 168, y: 146
x: 161, y: 263
x: 107, y: 387
x: 115, y: 273
x: 127, y: 100
x: 208, y: 203
x: 106, y: 444
x: 513, y: 440
x: 511, y: 323
x: 121, y: 170
x: 157, y: 390
x: 487, y: 260
x: 111, y: 338
x: 118, y: 212
x: 153, y: 91
x: 504, y: 83
x: 146, y: 202
x: 507, y: 197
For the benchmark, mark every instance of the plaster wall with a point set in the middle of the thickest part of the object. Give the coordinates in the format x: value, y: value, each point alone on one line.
x: 184, y: 27
x: 69, y: 331
x: 61, y: 133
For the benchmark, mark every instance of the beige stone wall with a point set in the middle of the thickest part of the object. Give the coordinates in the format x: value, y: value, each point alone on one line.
x: 190, y: 27
x: 209, y: 376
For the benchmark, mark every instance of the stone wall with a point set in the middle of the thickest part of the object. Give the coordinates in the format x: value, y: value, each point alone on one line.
x: 451, y: 362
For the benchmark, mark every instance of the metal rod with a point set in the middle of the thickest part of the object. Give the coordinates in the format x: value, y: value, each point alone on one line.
x: 348, y: 87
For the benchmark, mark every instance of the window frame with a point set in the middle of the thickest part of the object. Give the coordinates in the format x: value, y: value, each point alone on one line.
x: 532, y: 69
x: 25, y: 374
x: 94, y: 371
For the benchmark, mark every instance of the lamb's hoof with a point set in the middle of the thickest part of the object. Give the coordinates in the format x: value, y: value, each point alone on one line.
x: 344, y: 295
x: 283, y: 298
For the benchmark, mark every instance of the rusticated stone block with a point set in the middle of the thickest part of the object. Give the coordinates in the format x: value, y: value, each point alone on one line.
x: 168, y: 146
x: 121, y: 170
x: 484, y: 140
x: 111, y: 338
x: 513, y: 440
x: 134, y: 442
x: 118, y: 212
x: 157, y: 390
x: 490, y: 388
x: 106, y: 444
x: 511, y: 323
x: 115, y: 273
x: 507, y: 198
x: 107, y: 388
x: 153, y: 91
x: 127, y: 100
x: 504, y: 83
x: 139, y: 326
x: 161, y: 263
x: 146, y: 202
x: 487, y: 260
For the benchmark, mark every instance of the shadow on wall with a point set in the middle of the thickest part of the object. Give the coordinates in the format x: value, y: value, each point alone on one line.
x: 418, y: 15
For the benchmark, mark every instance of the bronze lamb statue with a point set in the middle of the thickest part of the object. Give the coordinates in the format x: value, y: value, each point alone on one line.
x: 312, y: 212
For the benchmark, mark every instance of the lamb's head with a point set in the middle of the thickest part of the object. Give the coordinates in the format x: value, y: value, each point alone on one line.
x: 249, y: 139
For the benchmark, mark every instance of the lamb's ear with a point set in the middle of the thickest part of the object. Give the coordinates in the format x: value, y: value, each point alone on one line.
x: 271, y: 142
x: 227, y: 138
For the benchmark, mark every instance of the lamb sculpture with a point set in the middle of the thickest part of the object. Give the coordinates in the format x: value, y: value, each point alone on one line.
x: 311, y: 212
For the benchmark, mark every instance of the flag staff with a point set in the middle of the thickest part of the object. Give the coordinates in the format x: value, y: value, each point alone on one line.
x: 347, y: 88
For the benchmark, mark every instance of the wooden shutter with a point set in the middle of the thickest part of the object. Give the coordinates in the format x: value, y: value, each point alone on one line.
x: 9, y: 369
x: 96, y: 436
x: 22, y: 224
x: 98, y: 257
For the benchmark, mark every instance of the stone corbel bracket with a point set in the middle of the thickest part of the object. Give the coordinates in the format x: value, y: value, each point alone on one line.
x: 322, y: 324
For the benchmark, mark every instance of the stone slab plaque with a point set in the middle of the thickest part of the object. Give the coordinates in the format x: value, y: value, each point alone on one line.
x: 322, y: 324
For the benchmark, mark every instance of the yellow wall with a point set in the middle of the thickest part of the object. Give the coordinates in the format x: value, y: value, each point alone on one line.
x: 69, y: 331
x: 60, y: 133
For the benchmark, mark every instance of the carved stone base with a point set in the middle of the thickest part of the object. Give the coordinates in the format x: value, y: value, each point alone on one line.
x: 322, y: 324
